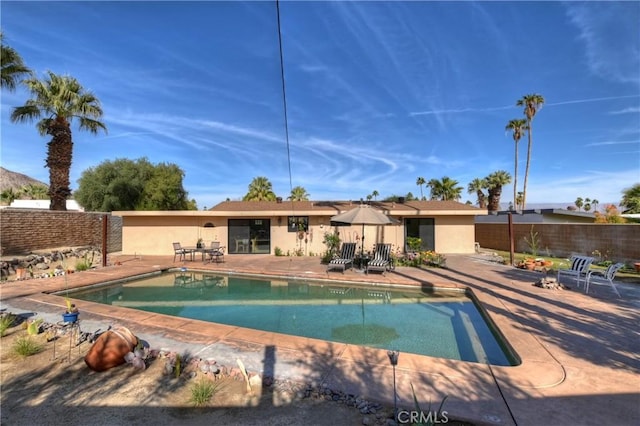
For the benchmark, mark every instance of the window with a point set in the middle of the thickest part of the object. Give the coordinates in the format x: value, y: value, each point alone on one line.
x: 298, y: 223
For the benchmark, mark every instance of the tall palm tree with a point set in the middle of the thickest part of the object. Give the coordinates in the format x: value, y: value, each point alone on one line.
x: 495, y: 182
x: 519, y: 200
x: 445, y: 189
x: 375, y: 193
x: 531, y: 103
x: 420, y: 181
x: 59, y: 99
x: 13, y: 68
x: 298, y: 194
x: 595, y: 203
x: 260, y: 189
x: 476, y: 186
x: 517, y: 126
x: 579, y: 203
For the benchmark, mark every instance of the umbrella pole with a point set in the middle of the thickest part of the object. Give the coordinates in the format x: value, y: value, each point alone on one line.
x: 362, y: 244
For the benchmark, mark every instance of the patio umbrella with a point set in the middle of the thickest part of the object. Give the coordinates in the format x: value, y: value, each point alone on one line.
x: 363, y: 215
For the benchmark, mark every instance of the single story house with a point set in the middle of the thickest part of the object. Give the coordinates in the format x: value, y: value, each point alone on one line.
x: 298, y: 227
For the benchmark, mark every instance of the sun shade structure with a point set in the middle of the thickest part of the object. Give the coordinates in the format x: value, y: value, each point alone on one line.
x: 362, y: 215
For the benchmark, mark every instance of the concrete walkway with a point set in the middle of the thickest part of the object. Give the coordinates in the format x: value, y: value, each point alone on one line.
x: 579, y: 352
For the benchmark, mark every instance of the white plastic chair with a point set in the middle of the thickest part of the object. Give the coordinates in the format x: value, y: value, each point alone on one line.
x: 600, y: 277
x: 579, y: 268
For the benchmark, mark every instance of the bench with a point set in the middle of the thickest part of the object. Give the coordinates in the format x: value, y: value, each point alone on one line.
x: 579, y: 267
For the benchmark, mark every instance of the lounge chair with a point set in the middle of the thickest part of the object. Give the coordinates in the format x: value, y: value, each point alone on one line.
x: 599, y: 277
x: 178, y: 250
x: 381, y: 258
x: 347, y: 253
x: 215, y: 252
x: 579, y: 268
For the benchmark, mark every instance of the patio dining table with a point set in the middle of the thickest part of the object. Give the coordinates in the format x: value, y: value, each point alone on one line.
x: 195, y: 249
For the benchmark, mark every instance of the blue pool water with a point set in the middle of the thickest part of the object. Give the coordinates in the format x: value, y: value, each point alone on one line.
x: 440, y: 324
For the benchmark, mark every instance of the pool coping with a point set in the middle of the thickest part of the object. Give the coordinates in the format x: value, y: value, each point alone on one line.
x: 478, y: 393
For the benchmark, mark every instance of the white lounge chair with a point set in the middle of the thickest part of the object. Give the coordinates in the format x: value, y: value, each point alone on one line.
x: 347, y: 253
x: 578, y: 269
x: 600, y: 277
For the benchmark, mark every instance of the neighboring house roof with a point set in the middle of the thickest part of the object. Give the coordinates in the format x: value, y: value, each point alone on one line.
x: 540, y: 216
x: 320, y: 208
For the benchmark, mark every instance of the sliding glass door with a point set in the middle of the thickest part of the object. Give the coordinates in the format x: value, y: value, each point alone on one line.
x: 249, y: 236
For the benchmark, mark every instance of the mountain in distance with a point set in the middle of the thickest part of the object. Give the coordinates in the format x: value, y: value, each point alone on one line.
x: 16, y: 181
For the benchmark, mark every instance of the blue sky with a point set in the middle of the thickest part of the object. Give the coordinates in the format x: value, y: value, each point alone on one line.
x: 378, y: 93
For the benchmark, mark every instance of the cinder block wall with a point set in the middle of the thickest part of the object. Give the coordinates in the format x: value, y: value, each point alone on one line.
x: 26, y: 230
x: 620, y: 241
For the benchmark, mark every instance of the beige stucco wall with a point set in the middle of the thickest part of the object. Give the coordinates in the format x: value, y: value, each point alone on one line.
x: 455, y: 234
x: 154, y: 233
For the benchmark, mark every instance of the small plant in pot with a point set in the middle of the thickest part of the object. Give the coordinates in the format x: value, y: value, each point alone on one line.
x: 71, y: 314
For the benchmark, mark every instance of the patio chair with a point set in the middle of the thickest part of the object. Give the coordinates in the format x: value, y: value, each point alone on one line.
x: 215, y: 252
x: 579, y: 268
x: 599, y: 277
x: 178, y: 250
x: 347, y: 253
x: 381, y: 258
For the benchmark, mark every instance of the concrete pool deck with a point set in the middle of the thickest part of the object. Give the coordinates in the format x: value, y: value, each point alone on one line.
x: 579, y: 352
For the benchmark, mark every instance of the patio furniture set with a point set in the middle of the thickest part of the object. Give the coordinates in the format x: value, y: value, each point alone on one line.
x: 581, y: 272
x: 211, y: 254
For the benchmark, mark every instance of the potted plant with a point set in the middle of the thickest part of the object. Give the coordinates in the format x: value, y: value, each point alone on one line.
x: 199, y: 243
x: 71, y: 313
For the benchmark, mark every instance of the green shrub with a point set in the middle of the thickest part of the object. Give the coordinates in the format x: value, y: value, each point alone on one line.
x: 26, y: 346
x: 202, y: 391
x: 278, y: 251
x: 7, y: 321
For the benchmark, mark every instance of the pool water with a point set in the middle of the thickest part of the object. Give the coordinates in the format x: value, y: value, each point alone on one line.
x: 440, y: 324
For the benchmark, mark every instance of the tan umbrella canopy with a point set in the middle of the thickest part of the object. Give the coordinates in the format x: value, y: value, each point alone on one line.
x: 363, y: 215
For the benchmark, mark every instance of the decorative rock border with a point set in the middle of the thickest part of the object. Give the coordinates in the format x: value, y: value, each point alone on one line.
x: 34, y: 265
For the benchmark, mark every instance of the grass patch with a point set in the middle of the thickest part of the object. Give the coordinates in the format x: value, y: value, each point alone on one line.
x: 202, y: 391
x: 26, y: 346
x: 6, y: 322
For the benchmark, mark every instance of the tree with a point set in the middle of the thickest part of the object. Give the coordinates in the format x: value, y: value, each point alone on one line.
x: 517, y: 127
x: 519, y: 198
x: 631, y: 200
x: 495, y: 182
x: 531, y: 103
x: 13, y: 69
x: 126, y: 184
x: 298, y: 194
x: 611, y: 215
x: 476, y: 186
x: 579, y: 203
x: 595, y: 203
x: 35, y: 191
x: 374, y: 194
x: 59, y: 99
x: 8, y: 196
x: 445, y: 189
x: 369, y: 197
x: 260, y: 189
x: 587, y: 204
x: 420, y: 181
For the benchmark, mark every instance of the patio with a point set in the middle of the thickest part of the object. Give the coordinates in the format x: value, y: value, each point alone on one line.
x: 579, y: 352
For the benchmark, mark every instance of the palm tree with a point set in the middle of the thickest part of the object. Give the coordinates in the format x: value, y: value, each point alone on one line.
x: 298, y: 194
x: 59, y: 99
x: 375, y: 193
x: 35, y: 191
x: 587, y: 204
x: 445, y: 189
x: 9, y: 196
x: 532, y: 103
x: 260, y: 189
x: 476, y: 186
x: 13, y: 68
x: 517, y: 126
x: 495, y: 182
x: 420, y: 181
x: 595, y: 203
x: 579, y: 203
x: 519, y: 200
x: 631, y: 200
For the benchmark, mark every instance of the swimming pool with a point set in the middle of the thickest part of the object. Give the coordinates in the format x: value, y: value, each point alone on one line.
x: 445, y: 324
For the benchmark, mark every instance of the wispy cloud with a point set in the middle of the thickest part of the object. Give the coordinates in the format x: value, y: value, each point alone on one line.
x: 603, y: 143
x: 581, y: 101
x: 461, y: 110
x: 630, y: 110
